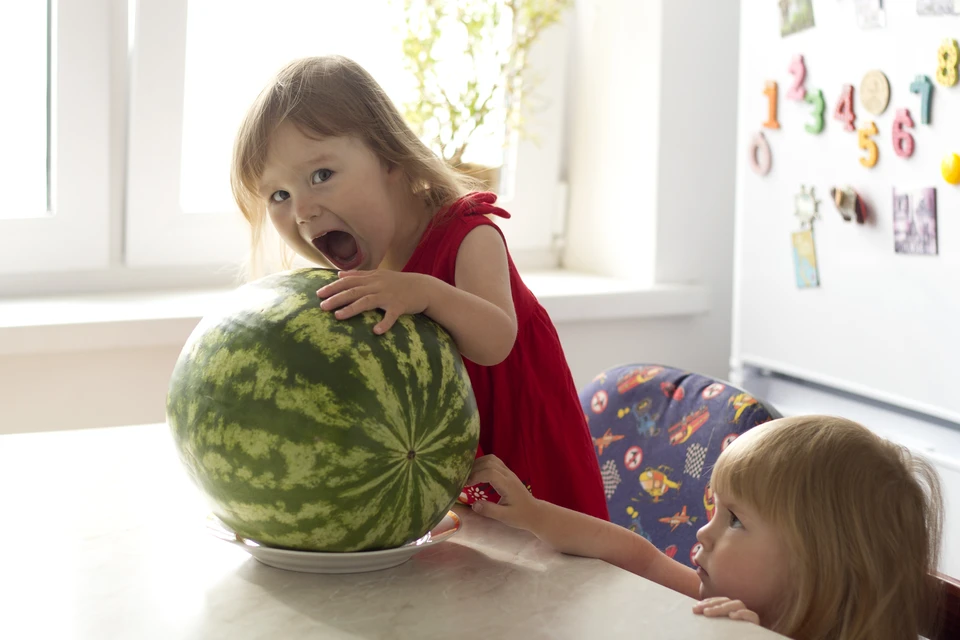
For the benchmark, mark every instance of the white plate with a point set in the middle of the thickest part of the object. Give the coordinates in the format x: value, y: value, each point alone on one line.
x: 321, y: 562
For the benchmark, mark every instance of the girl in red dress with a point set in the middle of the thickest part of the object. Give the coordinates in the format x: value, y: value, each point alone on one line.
x: 324, y: 154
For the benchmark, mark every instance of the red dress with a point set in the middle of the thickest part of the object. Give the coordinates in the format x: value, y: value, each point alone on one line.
x: 530, y: 414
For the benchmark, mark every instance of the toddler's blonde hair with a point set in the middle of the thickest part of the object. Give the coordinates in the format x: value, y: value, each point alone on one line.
x: 861, y: 518
x: 333, y: 96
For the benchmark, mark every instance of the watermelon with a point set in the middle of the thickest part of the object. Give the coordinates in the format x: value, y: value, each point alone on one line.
x: 311, y: 433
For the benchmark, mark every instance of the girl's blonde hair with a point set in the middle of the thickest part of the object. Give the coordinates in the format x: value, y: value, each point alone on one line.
x: 333, y: 96
x: 861, y: 518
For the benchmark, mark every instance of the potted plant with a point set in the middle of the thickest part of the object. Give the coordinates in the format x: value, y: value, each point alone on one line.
x: 468, y: 59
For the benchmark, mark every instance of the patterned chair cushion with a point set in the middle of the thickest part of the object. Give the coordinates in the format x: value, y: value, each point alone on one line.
x: 657, y: 432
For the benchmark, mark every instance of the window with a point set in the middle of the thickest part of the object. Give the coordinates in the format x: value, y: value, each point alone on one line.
x: 24, y: 60
x: 123, y: 133
x: 197, y: 66
x: 54, y: 164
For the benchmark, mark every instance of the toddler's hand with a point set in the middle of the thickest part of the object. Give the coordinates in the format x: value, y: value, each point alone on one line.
x: 516, y: 506
x: 725, y: 608
x: 395, y: 292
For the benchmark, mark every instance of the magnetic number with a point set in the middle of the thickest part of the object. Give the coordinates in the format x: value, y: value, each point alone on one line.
x: 815, y: 98
x: 947, y: 57
x: 770, y: 90
x: 844, y: 111
x: 867, y: 144
x: 798, y: 70
x: 924, y: 87
x: 759, y: 154
x: 902, y: 141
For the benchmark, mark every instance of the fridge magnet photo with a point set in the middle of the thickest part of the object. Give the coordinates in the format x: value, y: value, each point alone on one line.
x: 795, y: 15
x: 870, y: 14
x: 805, y: 260
x: 915, y: 222
x: 938, y: 7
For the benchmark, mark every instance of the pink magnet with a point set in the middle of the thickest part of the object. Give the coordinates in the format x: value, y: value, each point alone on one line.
x: 902, y: 140
x: 759, y: 154
x: 844, y: 111
x: 798, y: 70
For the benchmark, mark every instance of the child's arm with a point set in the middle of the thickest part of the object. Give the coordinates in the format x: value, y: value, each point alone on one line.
x: 575, y: 533
x: 478, y: 312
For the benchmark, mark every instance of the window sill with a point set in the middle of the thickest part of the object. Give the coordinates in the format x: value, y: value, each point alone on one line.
x: 117, y: 321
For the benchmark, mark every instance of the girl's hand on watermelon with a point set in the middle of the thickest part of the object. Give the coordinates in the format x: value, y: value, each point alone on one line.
x: 516, y: 507
x: 394, y: 292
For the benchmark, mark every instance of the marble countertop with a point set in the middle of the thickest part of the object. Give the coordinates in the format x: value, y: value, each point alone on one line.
x: 103, y: 537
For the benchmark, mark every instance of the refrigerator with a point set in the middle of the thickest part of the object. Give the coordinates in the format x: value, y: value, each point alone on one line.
x: 847, y: 241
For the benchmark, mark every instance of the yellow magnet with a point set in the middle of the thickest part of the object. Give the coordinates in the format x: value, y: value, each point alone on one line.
x: 950, y: 168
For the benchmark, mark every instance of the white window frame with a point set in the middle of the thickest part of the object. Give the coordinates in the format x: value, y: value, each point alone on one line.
x: 75, y: 235
x: 157, y: 231
x: 159, y: 234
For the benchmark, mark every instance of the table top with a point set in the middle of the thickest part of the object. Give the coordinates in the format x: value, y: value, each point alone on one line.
x: 103, y: 537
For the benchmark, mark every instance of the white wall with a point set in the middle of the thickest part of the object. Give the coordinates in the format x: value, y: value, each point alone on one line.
x: 613, y: 137
x: 651, y: 200
x: 84, y: 389
x: 88, y: 389
x: 650, y: 164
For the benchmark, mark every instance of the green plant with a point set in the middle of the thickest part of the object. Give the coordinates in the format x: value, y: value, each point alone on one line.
x: 468, y: 59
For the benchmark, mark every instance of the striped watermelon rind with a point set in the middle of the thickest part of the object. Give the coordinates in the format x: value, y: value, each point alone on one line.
x: 312, y: 433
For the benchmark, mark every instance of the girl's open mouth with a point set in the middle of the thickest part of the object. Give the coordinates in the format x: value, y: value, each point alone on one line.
x: 340, y: 248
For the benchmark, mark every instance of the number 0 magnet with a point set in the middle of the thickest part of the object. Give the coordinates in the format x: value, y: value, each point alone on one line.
x: 759, y: 154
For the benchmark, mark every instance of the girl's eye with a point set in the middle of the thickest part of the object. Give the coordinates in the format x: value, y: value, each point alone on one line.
x: 735, y: 521
x: 321, y: 175
x: 279, y: 196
